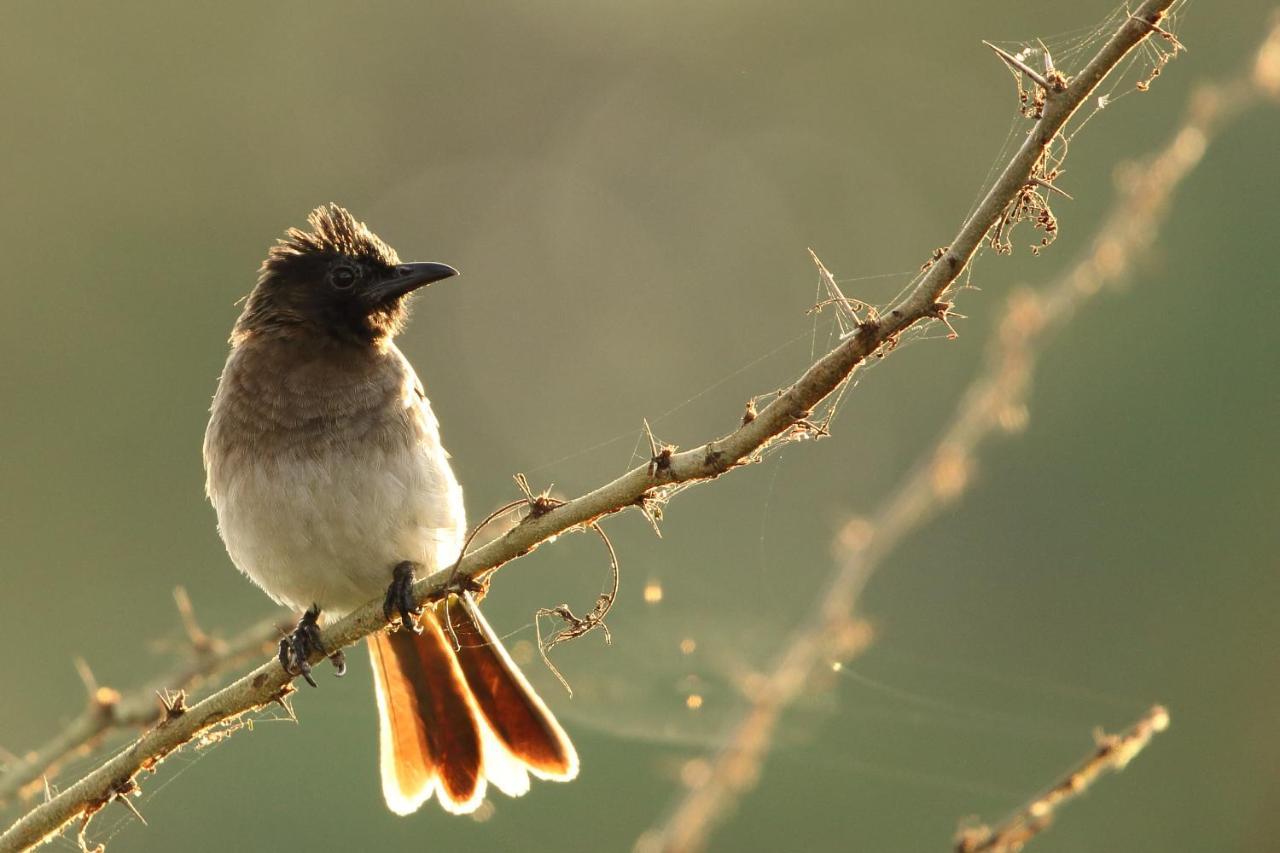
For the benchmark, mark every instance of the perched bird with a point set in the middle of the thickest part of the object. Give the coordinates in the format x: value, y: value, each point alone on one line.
x: 331, y: 486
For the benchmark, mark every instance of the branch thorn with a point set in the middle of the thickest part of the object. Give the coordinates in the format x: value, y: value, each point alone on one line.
x: 87, y: 678
x: 174, y: 704
x: 1047, y: 185
x: 651, y: 507
x: 122, y: 796
x: 539, y: 504
x: 660, y: 458
x: 282, y: 699
x: 1018, y: 65
x: 1156, y: 28
x: 941, y: 311
x: 1048, y: 58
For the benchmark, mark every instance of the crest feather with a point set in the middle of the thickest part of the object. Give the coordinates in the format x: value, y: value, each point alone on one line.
x: 333, y: 229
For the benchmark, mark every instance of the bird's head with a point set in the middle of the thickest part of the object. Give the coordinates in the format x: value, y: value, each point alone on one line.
x: 336, y: 281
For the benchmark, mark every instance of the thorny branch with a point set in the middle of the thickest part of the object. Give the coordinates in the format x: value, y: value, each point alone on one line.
x: 1113, y: 752
x: 269, y: 683
x: 995, y: 401
x: 109, y: 710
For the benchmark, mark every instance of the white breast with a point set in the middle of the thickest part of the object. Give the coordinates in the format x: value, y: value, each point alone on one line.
x: 324, y: 523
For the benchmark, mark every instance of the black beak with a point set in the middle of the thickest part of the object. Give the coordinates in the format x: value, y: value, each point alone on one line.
x: 409, y: 277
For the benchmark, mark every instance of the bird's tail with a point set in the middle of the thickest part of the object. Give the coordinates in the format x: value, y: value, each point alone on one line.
x: 454, y: 716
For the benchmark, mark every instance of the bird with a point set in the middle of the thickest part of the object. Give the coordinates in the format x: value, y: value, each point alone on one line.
x: 331, y: 486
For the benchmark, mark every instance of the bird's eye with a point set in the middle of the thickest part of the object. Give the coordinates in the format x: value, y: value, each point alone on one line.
x: 342, y: 277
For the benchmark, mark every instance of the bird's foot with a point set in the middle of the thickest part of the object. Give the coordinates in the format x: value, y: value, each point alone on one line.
x: 296, y: 648
x: 399, y: 598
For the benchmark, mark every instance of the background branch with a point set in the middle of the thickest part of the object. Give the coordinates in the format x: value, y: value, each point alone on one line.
x: 1114, y: 752
x: 994, y: 401
x: 108, y: 710
x: 780, y: 420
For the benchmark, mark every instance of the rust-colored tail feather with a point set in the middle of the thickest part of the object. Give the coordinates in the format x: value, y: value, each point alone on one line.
x: 429, y: 729
x: 518, y: 717
x: 450, y: 720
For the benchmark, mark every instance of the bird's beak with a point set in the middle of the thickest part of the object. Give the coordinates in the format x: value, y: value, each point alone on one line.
x: 408, y: 278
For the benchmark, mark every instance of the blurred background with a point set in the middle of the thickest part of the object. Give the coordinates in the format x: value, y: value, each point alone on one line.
x: 629, y: 190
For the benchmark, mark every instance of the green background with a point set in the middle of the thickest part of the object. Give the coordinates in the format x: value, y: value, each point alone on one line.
x: 629, y: 190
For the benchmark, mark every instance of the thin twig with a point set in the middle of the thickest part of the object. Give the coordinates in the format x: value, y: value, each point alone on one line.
x: 576, y: 626
x: 1113, y: 752
x: 994, y: 401
x: 269, y: 682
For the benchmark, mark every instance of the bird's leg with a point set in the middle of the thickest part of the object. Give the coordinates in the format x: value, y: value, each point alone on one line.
x: 399, y: 598
x: 296, y: 648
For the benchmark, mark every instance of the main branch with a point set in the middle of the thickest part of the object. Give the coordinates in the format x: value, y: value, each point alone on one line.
x: 787, y: 413
x: 994, y: 401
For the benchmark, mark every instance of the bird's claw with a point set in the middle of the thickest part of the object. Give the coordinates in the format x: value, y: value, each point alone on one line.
x: 399, y: 600
x: 297, y: 647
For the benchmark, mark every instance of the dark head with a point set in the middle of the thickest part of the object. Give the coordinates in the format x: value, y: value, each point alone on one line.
x: 338, y: 281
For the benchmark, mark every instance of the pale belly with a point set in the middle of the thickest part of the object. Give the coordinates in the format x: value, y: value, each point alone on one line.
x: 327, y: 530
